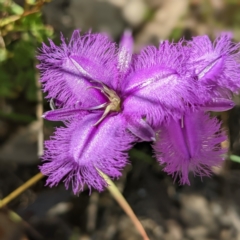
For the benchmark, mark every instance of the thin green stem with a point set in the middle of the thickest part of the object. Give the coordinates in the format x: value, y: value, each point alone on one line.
x: 21, y: 189
x: 124, y: 204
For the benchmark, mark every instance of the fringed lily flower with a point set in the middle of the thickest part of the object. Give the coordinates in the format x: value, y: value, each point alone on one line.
x: 109, y: 99
x: 107, y: 104
x: 190, y: 144
x: 81, y: 77
x: 216, y: 66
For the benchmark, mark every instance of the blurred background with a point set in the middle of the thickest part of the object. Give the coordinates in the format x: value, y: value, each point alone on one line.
x: 209, y: 209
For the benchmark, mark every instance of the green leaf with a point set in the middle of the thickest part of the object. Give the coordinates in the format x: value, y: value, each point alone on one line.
x: 11, y: 7
x: 3, y: 54
x: 235, y: 158
x: 16, y: 9
x: 31, y: 2
x: 8, y: 20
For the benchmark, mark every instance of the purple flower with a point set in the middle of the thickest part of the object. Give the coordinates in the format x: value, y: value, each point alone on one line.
x: 215, y: 66
x: 107, y: 102
x: 109, y: 99
x: 190, y: 144
x: 81, y: 75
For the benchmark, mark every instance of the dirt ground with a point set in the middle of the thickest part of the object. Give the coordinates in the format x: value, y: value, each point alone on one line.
x: 208, y: 209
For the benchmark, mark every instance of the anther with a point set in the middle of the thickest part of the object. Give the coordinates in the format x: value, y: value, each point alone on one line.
x: 114, y: 104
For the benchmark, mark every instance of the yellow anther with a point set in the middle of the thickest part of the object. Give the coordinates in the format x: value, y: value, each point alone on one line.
x: 114, y: 104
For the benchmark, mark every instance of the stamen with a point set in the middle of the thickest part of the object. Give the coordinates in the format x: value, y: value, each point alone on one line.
x: 101, y: 90
x: 107, y: 110
x: 114, y: 104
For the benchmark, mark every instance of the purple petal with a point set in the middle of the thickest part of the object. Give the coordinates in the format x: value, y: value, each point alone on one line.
x: 157, y: 87
x: 140, y: 128
x: 216, y: 64
x: 67, y: 70
x: 75, y: 153
x: 195, y: 146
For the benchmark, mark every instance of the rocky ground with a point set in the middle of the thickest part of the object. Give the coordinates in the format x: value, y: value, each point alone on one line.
x: 206, y: 210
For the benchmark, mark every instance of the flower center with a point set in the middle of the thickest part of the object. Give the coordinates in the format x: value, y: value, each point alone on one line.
x: 114, y: 104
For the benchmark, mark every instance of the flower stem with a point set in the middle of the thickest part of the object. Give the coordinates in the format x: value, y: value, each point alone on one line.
x: 124, y: 205
x: 21, y: 189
